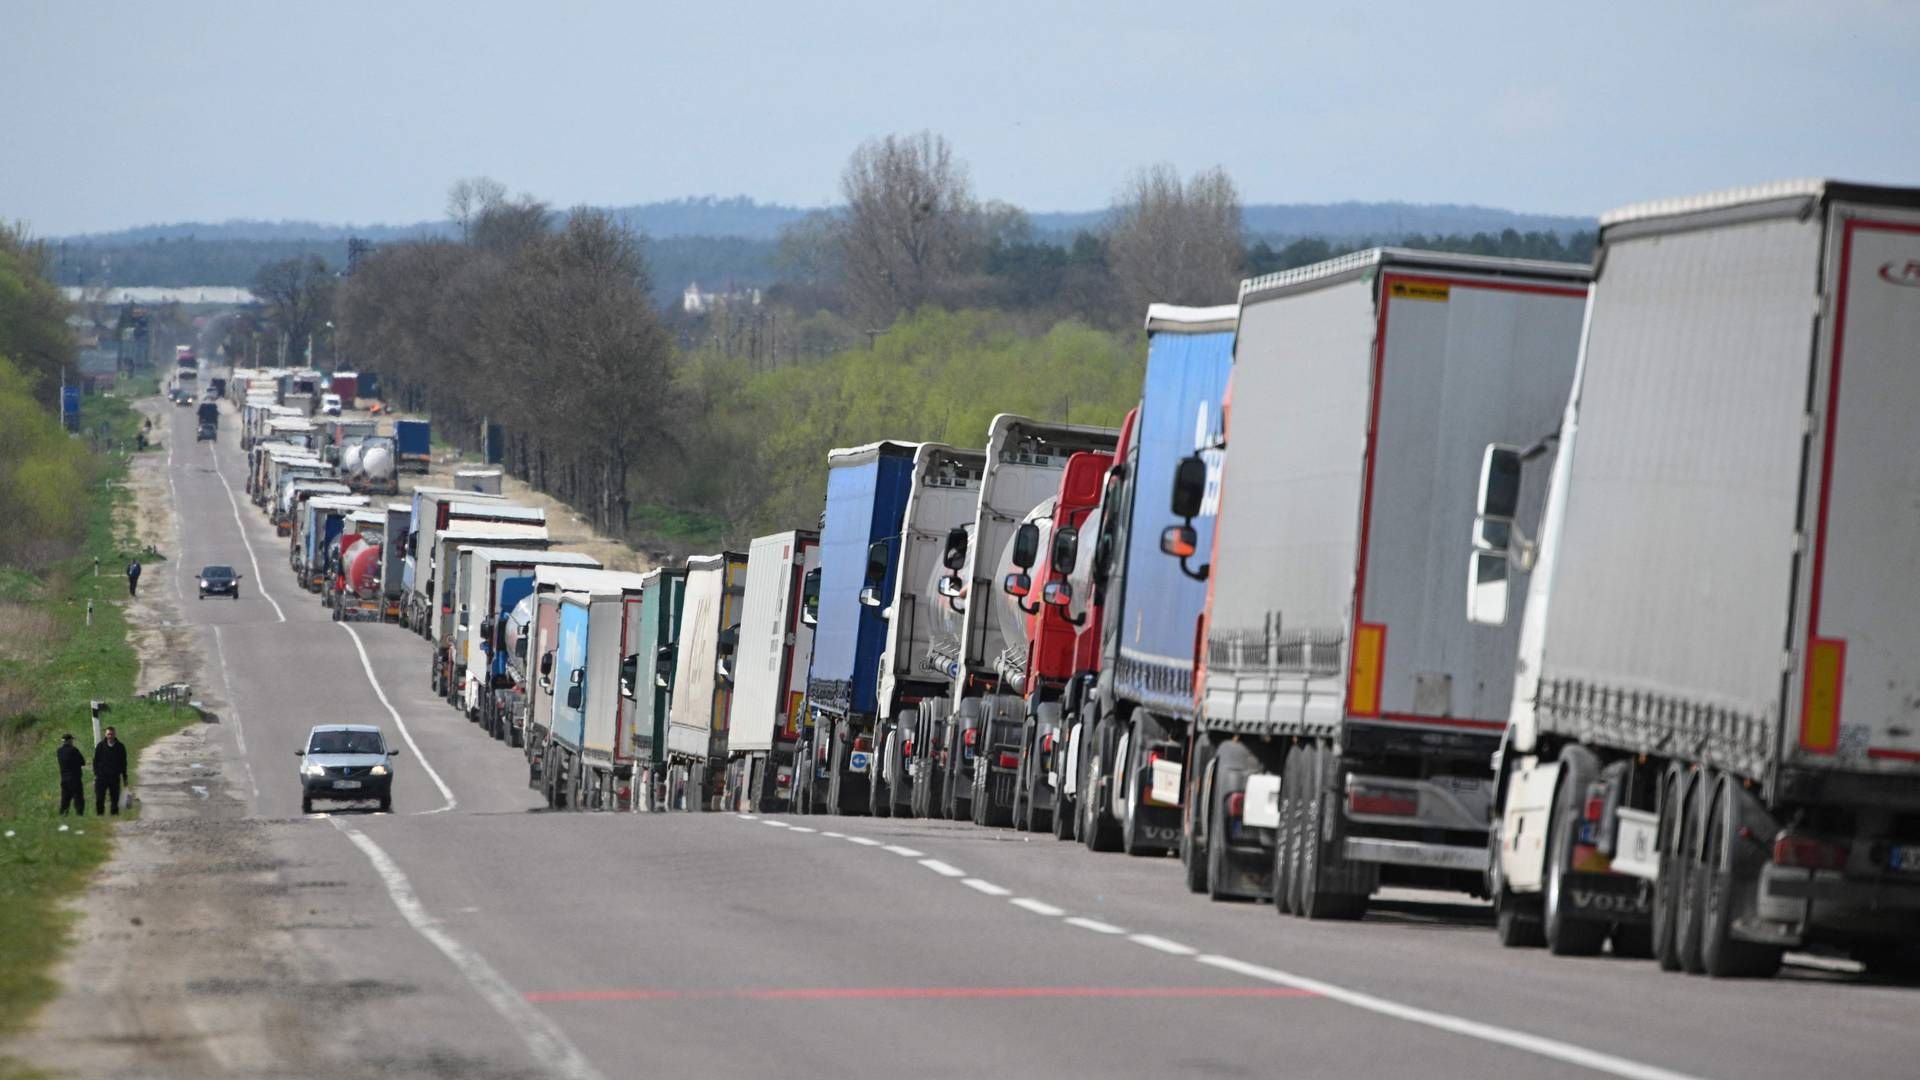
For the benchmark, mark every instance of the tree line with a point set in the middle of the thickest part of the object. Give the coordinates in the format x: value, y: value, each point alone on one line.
x: 43, y: 471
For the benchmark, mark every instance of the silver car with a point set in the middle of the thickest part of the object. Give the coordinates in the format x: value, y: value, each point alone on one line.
x: 346, y: 763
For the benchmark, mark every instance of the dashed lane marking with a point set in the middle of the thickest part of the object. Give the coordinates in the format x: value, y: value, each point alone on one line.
x: 943, y: 869
x: 903, y: 852
x: 1038, y: 907
x: 1160, y: 944
x: 550, y: 1047
x: 863, y: 841
x: 1094, y: 925
x: 987, y: 887
x: 800, y: 829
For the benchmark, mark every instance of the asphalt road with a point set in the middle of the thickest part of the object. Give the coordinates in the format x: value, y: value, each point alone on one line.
x: 501, y: 939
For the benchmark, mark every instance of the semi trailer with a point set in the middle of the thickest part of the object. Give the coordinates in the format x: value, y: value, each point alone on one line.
x: 701, y: 687
x: 770, y: 670
x: 647, y: 683
x: 492, y: 580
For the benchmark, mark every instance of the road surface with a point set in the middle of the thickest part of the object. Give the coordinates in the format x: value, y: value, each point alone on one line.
x: 472, y: 933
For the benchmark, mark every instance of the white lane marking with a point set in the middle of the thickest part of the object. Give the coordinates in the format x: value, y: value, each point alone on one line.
x: 904, y: 852
x: 550, y: 1047
x: 1094, y: 925
x: 775, y: 824
x: 179, y: 529
x: 1160, y: 944
x: 863, y: 841
x: 835, y: 835
x: 800, y: 828
x: 1038, y: 907
x: 1518, y: 1040
x: 987, y: 887
x: 233, y: 708
x: 374, y: 681
x: 746, y: 817
x: 259, y: 579
x: 943, y: 869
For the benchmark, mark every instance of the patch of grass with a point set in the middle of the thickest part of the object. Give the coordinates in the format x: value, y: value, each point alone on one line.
x: 681, y: 527
x: 44, y: 692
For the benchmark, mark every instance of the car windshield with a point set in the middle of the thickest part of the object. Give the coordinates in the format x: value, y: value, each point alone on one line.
x: 346, y: 742
x: 217, y: 572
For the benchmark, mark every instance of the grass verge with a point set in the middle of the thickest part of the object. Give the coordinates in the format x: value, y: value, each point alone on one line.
x: 52, y: 664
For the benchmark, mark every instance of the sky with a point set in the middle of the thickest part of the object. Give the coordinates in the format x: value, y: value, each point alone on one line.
x: 119, y: 114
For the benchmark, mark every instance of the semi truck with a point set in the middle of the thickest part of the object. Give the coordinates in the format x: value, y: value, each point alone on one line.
x: 770, y: 670
x: 1057, y: 634
x: 1131, y: 728
x: 585, y: 765
x: 976, y: 726
x: 867, y: 489
x: 1712, y: 753
x: 907, y: 775
x: 647, y: 684
x: 1347, y: 710
x: 701, y: 687
x: 491, y: 581
x: 322, y: 520
x: 529, y: 716
x: 432, y: 511
x: 444, y: 585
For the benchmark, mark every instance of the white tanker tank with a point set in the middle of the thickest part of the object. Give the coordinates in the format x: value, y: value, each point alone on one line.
x: 350, y: 459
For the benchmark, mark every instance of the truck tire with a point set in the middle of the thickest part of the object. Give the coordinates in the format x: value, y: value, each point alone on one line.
x: 1232, y: 759
x: 1516, y: 920
x: 1146, y: 731
x: 1568, y: 935
x: 1688, y: 909
x: 1286, y: 848
x: 1196, y: 833
x: 1023, y: 779
x: 1099, y: 830
x: 879, y: 792
x: 843, y: 798
x: 987, y: 813
x: 1722, y: 955
x: 1331, y: 887
x: 1666, y: 891
x: 901, y: 789
x: 1066, y: 818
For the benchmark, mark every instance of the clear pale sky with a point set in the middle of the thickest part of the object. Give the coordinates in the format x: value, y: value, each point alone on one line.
x: 117, y: 114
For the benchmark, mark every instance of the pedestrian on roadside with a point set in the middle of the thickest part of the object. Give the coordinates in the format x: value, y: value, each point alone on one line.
x: 133, y: 578
x: 109, y: 772
x: 71, y: 790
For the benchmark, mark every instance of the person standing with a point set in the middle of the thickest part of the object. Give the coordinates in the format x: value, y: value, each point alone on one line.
x: 71, y: 791
x: 109, y: 772
x: 133, y: 578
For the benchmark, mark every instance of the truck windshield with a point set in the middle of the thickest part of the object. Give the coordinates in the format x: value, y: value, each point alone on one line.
x: 347, y: 742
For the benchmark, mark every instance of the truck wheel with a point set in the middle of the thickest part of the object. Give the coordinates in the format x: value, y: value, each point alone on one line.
x: 1516, y: 922
x: 1098, y: 828
x: 1232, y: 759
x: 879, y: 792
x: 1196, y: 834
x: 306, y: 805
x: 1567, y: 934
x: 901, y: 789
x: 1688, y: 908
x: 1330, y: 886
x: 1721, y: 954
x: 1066, y: 817
x: 840, y: 798
x: 1666, y: 888
x: 1022, y: 803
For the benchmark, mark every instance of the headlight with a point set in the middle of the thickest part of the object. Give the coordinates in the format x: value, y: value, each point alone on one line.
x: 203, y: 583
x: 314, y: 770
x: 378, y: 770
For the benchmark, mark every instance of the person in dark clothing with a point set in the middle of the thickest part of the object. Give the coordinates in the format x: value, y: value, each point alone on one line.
x: 72, y: 793
x: 109, y: 772
x: 133, y: 578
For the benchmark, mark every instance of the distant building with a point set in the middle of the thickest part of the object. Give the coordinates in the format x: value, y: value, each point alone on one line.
x: 696, y: 301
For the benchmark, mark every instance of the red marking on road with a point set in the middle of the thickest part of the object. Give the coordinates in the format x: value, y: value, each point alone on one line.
x: 941, y: 993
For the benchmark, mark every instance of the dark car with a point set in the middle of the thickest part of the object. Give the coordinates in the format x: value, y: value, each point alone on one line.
x: 346, y: 763
x: 208, y: 431
x: 219, y: 581
x: 182, y: 397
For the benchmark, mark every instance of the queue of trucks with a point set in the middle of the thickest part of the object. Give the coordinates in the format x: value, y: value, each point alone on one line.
x: 1586, y: 590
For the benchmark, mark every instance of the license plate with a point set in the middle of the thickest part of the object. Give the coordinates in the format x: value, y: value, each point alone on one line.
x: 346, y: 783
x: 1904, y: 858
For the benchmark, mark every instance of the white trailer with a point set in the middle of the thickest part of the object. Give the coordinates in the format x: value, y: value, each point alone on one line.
x: 702, y: 684
x: 1713, y: 752
x: 432, y: 511
x: 770, y: 671
x: 443, y: 581
x: 1347, y: 708
x: 492, y: 581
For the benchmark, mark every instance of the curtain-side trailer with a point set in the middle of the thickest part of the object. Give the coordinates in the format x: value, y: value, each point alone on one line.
x: 702, y: 688
x: 648, y: 684
x: 770, y: 671
x: 494, y: 579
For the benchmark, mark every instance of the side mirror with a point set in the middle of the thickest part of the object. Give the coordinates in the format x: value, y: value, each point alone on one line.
x: 1026, y: 546
x: 1189, y: 486
x: 663, y: 667
x: 810, y: 598
x: 629, y: 674
x: 299, y: 753
x: 546, y: 664
x: 1179, y: 541
x: 1058, y: 593
x: 575, y: 694
x: 1066, y: 549
x: 395, y: 752
x: 1019, y: 586
x: 953, y: 555
x: 1487, y: 575
x: 869, y: 598
x: 1499, y: 498
x: 876, y: 562
x: 579, y: 676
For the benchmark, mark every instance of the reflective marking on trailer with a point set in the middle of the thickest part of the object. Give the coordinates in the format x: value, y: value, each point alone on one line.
x: 1038, y: 907
x: 987, y: 887
x: 943, y: 869
x: 904, y: 852
x: 1518, y: 1040
x: 1094, y: 925
x: 1160, y: 944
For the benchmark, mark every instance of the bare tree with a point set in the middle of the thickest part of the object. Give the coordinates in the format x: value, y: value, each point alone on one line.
x: 1175, y: 243
x: 470, y: 197
x: 911, y: 223
x: 298, y: 294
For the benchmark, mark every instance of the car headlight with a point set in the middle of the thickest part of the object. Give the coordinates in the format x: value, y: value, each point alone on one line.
x: 378, y: 770
x: 203, y: 583
x: 314, y: 770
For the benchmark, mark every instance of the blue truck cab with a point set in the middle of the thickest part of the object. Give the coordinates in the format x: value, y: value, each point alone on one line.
x: 867, y: 489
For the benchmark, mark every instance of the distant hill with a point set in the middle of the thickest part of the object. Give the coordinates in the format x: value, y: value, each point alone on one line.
x: 1352, y: 221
